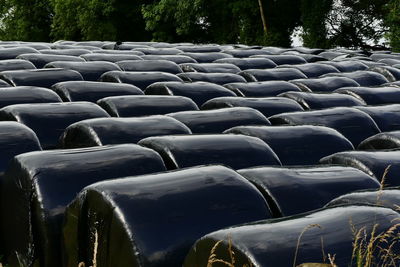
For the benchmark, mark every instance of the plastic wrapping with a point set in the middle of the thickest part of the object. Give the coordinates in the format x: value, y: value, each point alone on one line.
x: 40, y: 60
x: 298, y: 145
x: 381, y: 141
x: 139, y: 79
x: 26, y: 95
x: 49, y: 120
x: 210, y: 67
x: 363, y: 78
x: 153, y: 220
x: 244, y: 53
x: 218, y: 120
x: 327, y: 84
x: 216, y: 78
x: 322, y: 101
x: 235, y: 151
x: 206, y: 57
x: 392, y: 74
x: 93, y: 91
x: 4, y: 84
x: 249, y: 63
x: 41, y: 78
x: 313, y: 70
x: 107, y: 131
x: 199, y: 92
x: 354, y: 124
x: 90, y: 71
x: 347, y: 66
x: 277, y: 74
x: 136, y: 106
x: 150, y: 65
x: 268, y: 106
x: 380, y: 164
x: 178, y: 59
x: 261, y: 89
x: 374, y: 95
x: 302, y: 189
x: 199, y: 48
x: 110, y: 57
x: 38, y: 186
x: 387, y: 117
x: 13, y: 52
x: 284, y: 59
x: 16, y: 64
x: 158, y: 51
x: 65, y: 52
x: 296, y: 240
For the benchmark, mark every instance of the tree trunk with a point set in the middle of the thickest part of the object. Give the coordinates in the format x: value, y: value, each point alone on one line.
x: 264, y: 22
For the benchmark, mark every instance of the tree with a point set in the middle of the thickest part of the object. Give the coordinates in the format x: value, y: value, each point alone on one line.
x: 393, y: 22
x: 25, y: 20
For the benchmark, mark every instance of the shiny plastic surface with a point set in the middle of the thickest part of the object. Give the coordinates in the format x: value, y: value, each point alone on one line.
x: 301, y: 189
x: 16, y: 64
x: 218, y: 120
x: 268, y: 106
x: 374, y: 95
x: 110, y: 57
x: 363, y: 78
x: 284, y: 59
x: 106, y: 131
x: 27, y: 94
x: 298, y: 145
x: 354, y: 124
x: 347, y: 66
x: 381, y: 141
x: 313, y: 70
x: 13, y: 52
x: 210, y: 67
x: 249, y: 63
x: 178, y: 59
x: 149, y: 65
x: 374, y: 163
x: 277, y: 74
x: 40, y: 60
x: 327, y: 84
x: 261, y: 89
x: 153, y: 220
x: 216, y: 78
x: 274, y: 243
x: 72, y: 91
x: 206, y: 57
x: 49, y: 120
x: 41, y: 78
x: 38, y: 186
x: 136, y: 106
x: 387, y: 117
x: 235, y: 151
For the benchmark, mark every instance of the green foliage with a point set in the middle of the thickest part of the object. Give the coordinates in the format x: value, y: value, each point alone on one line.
x: 393, y: 21
x: 25, y: 20
x: 313, y: 19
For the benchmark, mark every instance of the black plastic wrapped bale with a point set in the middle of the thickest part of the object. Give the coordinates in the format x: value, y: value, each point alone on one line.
x: 313, y: 70
x: 150, y: 65
x: 206, y: 57
x: 49, y: 120
x: 387, y: 117
x: 298, y: 145
x: 331, y: 55
x: 217, y: 78
x: 297, y: 190
x: 382, y: 141
x: 93, y: 91
x: 374, y: 95
x: 210, y: 67
x: 65, y: 52
x: 90, y: 71
x: 40, y: 60
x: 4, y: 84
x: 191, y: 202
x: 13, y: 52
x: 284, y: 59
x: 38, y: 186
x: 380, y: 164
x: 136, y: 106
x: 199, y: 48
x: 249, y: 63
x: 41, y: 78
x: 218, y: 120
x: 178, y: 59
x: 354, y: 124
x: 347, y: 66
x: 379, y: 56
x: 27, y: 95
x: 390, y: 61
x: 199, y: 92
x: 107, y: 131
x: 363, y: 78
x: 16, y: 64
x: 139, y: 79
x: 268, y: 106
x: 243, y: 53
x: 292, y: 241
x: 388, y: 198
x: 158, y: 51
x: 327, y: 84
x: 261, y: 89
x: 392, y: 74
x: 277, y: 74
x: 118, y: 52
x: 235, y: 151
x: 110, y: 57
x: 15, y: 139
x: 322, y: 101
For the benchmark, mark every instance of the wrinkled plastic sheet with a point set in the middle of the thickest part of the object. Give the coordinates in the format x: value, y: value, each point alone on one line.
x: 382, y: 141
x: 277, y: 74
x: 262, y: 89
x: 327, y: 84
x: 26, y: 95
x: 374, y: 95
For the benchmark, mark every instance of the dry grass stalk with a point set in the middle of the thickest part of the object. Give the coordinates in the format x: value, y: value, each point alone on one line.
x: 213, y: 258
x: 308, y: 227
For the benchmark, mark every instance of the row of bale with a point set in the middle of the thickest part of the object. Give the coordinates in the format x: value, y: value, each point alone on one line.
x: 156, y: 154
